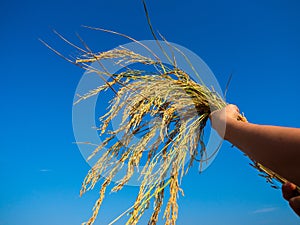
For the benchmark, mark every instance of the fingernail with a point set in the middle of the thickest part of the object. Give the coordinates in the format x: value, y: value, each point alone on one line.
x: 289, y: 186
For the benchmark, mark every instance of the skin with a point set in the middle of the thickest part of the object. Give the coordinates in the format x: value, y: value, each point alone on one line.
x: 277, y: 148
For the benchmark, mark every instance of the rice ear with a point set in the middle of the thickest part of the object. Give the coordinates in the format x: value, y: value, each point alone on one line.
x: 177, y: 137
x: 171, y: 140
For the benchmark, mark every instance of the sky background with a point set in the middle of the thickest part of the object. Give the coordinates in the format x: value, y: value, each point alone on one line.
x: 41, y: 170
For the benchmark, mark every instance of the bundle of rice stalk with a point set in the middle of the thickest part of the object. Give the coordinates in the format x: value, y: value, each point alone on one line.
x: 167, y: 109
x: 180, y: 108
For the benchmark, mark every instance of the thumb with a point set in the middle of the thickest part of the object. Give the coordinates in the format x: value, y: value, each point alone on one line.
x: 295, y: 204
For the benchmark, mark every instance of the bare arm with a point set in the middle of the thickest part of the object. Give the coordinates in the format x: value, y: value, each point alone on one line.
x: 277, y: 148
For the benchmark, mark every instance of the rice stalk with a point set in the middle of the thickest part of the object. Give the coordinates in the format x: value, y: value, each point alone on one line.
x: 171, y: 140
x: 182, y: 106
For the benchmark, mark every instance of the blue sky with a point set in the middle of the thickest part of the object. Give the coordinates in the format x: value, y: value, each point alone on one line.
x: 41, y: 170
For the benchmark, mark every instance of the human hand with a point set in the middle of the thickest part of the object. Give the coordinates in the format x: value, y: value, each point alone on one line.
x: 220, y: 118
x: 290, y: 193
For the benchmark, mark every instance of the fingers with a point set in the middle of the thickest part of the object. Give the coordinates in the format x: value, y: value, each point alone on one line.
x: 233, y: 108
x: 295, y: 204
x: 288, y: 191
x: 220, y: 118
x: 232, y: 111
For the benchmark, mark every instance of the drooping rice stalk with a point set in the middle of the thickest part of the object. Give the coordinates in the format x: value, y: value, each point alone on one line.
x: 167, y: 110
x: 180, y: 108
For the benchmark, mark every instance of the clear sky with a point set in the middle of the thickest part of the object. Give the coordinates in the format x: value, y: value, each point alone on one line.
x: 41, y: 170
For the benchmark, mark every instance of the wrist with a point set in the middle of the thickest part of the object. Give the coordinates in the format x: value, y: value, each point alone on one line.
x: 231, y: 124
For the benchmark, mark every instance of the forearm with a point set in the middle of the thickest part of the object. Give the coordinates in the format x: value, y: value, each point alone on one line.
x: 277, y: 148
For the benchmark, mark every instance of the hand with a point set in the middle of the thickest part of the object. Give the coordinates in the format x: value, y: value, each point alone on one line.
x: 220, y: 118
x: 289, y: 192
